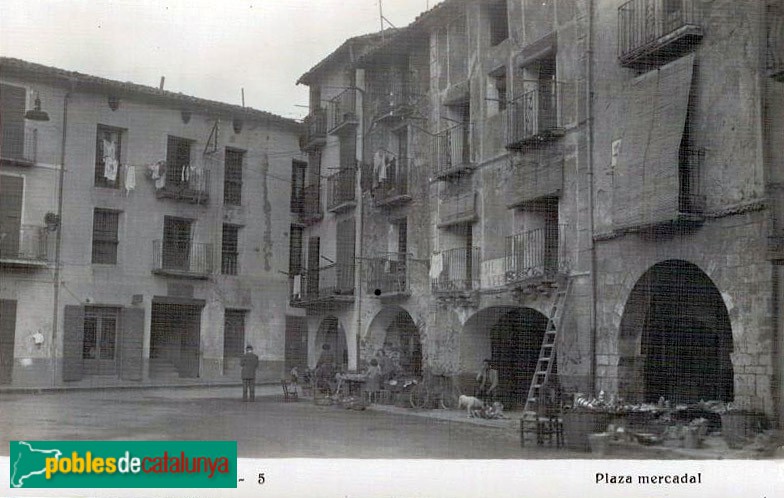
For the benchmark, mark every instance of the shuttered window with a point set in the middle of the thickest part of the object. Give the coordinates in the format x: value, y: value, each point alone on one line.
x: 105, y: 239
x: 233, y: 333
x: 295, y: 250
x: 12, y: 102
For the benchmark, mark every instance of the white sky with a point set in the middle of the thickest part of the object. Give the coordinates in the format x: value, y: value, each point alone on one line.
x: 209, y: 49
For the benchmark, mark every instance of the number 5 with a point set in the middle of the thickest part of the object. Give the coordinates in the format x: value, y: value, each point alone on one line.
x: 261, y: 478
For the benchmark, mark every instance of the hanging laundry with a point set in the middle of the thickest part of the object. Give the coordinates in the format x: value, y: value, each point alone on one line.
x: 185, y: 173
x: 196, y: 172
x: 378, y: 162
x: 130, y: 178
x: 297, y: 286
x: 436, y: 267
x: 110, y: 166
x: 161, y: 181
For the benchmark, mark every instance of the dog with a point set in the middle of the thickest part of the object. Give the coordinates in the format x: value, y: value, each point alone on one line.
x: 472, y: 404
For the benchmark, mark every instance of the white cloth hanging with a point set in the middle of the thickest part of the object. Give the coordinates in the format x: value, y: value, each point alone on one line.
x: 110, y: 163
x: 435, y: 267
x: 160, y: 182
x: 297, y: 286
x: 130, y: 178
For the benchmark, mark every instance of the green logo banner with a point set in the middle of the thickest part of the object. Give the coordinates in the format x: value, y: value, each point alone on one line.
x: 123, y: 464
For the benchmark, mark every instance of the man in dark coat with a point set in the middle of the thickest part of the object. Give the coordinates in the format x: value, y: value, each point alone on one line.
x: 249, y: 363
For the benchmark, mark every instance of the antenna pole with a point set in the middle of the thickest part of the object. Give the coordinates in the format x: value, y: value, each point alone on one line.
x: 381, y: 17
x: 243, y: 97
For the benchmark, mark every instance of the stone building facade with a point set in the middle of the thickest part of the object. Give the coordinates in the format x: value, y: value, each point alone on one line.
x: 158, y: 244
x: 620, y: 154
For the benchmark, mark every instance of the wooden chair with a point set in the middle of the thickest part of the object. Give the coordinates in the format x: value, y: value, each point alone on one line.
x: 289, y: 391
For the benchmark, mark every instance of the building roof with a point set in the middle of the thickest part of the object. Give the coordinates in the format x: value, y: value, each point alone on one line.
x: 46, y: 74
x: 403, y: 39
x: 350, y: 50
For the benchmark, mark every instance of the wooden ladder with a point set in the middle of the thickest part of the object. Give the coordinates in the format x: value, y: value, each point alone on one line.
x: 544, y: 365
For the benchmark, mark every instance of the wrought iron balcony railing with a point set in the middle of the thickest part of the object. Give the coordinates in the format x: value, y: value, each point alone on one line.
x: 535, y: 254
x: 452, y: 150
x: 182, y: 258
x: 391, y: 99
x: 343, y: 110
x: 455, y: 270
x: 341, y: 190
x: 187, y: 185
x: 27, y: 245
x: 334, y: 281
x: 315, y: 130
x: 19, y: 146
x: 457, y: 209
x: 538, y: 114
x: 387, y: 274
x: 652, y: 32
x: 391, y: 186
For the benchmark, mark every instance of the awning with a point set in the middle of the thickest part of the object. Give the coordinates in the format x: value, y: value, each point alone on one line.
x: 646, y: 181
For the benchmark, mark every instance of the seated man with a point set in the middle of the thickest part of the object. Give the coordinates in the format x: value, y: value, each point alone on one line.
x: 488, y: 382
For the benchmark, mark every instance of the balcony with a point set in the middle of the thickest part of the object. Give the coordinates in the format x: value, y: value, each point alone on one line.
x: 391, y: 186
x: 653, y: 32
x: 26, y: 248
x: 307, y: 208
x: 315, y: 130
x: 455, y: 270
x: 452, y: 151
x: 538, y: 114
x: 19, y: 147
x: 457, y: 210
x: 392, y: 102
x: 536, y: 256
x: 324, y: 287
x: 341, y: 190
x: 776, y: 249
x: 192, y: 187
x: 387, y: 275
x: 343, y: 112
x: 775, y: 38
x: 182, y: 258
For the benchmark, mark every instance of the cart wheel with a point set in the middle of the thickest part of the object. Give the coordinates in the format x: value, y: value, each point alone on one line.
x: 419, y: 396
x: 450, y: 398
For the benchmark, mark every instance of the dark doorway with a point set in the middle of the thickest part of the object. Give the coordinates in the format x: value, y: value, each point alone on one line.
x: 296, y: 349
x: 233, y: 340
x: 7, y: 339
x: 516, y: 338
x: 685, y: 337
x: 402, y: 344
x: 174, y: 340
x: 176, y: 243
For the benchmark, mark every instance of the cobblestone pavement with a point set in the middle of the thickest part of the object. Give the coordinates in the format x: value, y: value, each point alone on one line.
x: 267, y: 428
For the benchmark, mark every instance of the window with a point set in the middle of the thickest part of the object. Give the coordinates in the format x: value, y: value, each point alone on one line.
x: 298, y: 169
x: 176, y: 244
x: 295, y: 250
x: 499, y: 24
x: 105, y: 224
x: 232, y: 182
x: 108, y: 144
x: 13, y: 102
x: 100, y: 333
x: 496, y: 91
x: 233, y: 333
x: 178, y: 159
x: 230, y: 250
x: 315, y: 98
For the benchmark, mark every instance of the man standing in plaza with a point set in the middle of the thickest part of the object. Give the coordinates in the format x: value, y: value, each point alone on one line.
x: 249, y: 363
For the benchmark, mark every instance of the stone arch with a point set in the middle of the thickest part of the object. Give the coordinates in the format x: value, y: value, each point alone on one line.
x: 675, y: 337
x: 509, y: 336
x: 394, y: 331
x: 332, y: 333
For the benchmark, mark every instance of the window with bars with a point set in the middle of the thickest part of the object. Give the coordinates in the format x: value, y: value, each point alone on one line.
x: 105, y: 240
x: 100, y: 333
x: 499, y: 24
x: 230, y: 250
x: 232, y: 181
x: 108, y: 146
x: 298, y: 169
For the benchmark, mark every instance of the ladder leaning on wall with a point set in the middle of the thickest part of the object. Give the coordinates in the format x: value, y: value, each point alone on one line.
x: 546, y: 360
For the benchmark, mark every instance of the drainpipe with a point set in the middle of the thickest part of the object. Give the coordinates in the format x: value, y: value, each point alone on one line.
x: 589, y: 139
x: 58, y: 236
x: 360, y: 230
